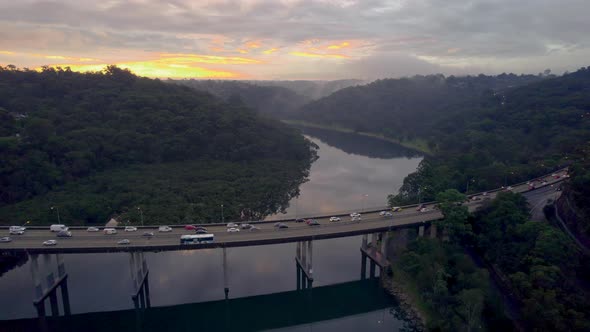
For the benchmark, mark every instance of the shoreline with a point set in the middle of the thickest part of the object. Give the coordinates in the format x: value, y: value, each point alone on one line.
x: 406, y: 303
x: 414, y: 145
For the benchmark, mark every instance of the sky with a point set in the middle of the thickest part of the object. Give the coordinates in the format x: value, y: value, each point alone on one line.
x: 297, y: 39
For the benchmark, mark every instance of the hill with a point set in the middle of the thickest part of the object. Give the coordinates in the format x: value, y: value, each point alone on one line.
x: 405, y: 108
x: 103, y: 144
x: 275, y: 101
x: 311, y: 89
x: 511, y: 135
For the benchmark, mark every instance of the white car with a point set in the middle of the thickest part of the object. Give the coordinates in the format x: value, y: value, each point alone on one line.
x: 16, y: 228
x: 165, y: 229
x: 382, y: 213
x: 16, y: 232
x: 109, y: 231
x: 124, y: 242
x: 423, y: 209
x: 130, y: 229
x: 50, y: 243
x: 233, y: 230
x: 385, y: 214
x: 355, y: 214
x: 232, y: 225
x: 93, y: 229
x: 5, y: 239
x: 333, y: 219
x: 356, y: 218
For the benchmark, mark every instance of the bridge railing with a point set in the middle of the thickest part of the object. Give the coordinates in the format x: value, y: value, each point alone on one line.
x: 340, y: 213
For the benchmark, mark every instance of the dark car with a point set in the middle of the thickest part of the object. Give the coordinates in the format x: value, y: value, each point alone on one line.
x: 299, y: 220
x: 313, y: 223
x: 201, y: 231
x: 200, y: 228
x: 281, y: 225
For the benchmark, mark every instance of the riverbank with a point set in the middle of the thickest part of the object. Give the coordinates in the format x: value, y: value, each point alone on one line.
x: 399, y: 286
x: 415, y: 144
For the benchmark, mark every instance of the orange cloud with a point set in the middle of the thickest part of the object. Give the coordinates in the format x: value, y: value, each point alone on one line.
x: 158, y: 69
x: 175, y: 66
x: 319, y: 55
x: 7, y: 52
x: 253, y: 45
x: 210, y: 59
x: 242, y: 51
x: 270, y: 51
x: 339, y: 46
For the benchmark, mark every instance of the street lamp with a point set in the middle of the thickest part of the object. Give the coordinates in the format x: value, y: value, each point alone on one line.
x: 57, y: 209
x: 141, y: 214
x: 222, y: 218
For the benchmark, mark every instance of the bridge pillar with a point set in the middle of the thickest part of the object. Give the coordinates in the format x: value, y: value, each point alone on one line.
x: 421, y: 231
x: 363, y: 265
x: 372, y: 269
x: 225, y: 275
x: 383, y: 243
x: 365, y: 240
x: 304, y: 264
x: 433, y: 231
x: 53, y: 284
x: 139, y: 279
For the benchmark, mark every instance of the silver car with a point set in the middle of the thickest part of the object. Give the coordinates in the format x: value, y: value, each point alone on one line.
x: 5, y: 239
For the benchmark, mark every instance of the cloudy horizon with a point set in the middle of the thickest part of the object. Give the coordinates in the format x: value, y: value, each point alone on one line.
x: 297, y: 39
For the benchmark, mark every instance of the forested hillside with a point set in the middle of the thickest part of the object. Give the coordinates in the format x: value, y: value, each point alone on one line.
x: 405, y: 108
x: 100, y: 144
x: 311, y: 89
x: 275, y: 101
x: 513, y: 135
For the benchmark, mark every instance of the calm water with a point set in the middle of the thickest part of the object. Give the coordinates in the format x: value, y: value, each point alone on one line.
x: 352, y: 173
x: 187, y: 287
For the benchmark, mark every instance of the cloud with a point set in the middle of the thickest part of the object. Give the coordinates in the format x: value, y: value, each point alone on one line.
x: 460, y: 35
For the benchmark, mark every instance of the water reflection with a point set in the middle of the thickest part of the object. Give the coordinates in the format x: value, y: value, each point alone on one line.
x: 352, y: 173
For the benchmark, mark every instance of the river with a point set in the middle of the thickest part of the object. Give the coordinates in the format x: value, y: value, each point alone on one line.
x: 187, y: 287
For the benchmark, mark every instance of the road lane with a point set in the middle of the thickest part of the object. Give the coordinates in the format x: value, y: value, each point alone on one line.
x: 82, y: 240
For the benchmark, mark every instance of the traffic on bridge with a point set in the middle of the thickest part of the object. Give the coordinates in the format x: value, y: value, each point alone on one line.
x: 159, y: 238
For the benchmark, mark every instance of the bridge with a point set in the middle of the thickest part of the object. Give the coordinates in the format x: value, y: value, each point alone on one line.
x: 49, y: 278
x: 84, y: 242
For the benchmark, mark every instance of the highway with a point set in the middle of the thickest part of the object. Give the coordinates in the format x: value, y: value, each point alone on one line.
x: 372, y: 222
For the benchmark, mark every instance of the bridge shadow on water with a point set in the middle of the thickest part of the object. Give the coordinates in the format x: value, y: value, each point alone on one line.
x: 254, y: 313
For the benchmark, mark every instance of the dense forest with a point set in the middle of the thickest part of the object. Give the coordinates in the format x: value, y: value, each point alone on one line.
x: 512, y: 135
x: 275, y: 101
x: 104, y: 143
x: 408, y: 107
x: 539, y: 268
x: 311, y: 89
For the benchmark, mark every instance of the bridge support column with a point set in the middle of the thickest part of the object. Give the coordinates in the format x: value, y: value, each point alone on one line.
x: 433, y: 231
x: 372, y: 269
x: 304, y: 264
x: 383, y: 243
x: 53, y: 284
x: 364, y: 245
x: 363, y: 265
x: 225, y: 275
x: 421, y: 231
x: 139, y: 279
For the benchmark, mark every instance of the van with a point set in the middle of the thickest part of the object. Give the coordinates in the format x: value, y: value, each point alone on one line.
x: 109, y: 231
x: 16, y: 228
x: 58, y: 228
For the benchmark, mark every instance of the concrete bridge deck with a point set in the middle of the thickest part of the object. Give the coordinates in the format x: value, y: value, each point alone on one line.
x: 83, y: 241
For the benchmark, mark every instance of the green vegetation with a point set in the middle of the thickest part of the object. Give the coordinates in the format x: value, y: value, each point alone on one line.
x: 275, y: 101
x: 415, y: 144
x: 512, y: 136
x: 453, y: 292
x: 407, y: 108
x: 539, y: 262
x: 101, y: 144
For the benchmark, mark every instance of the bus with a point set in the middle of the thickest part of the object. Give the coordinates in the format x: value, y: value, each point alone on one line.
x: 198, y: 238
